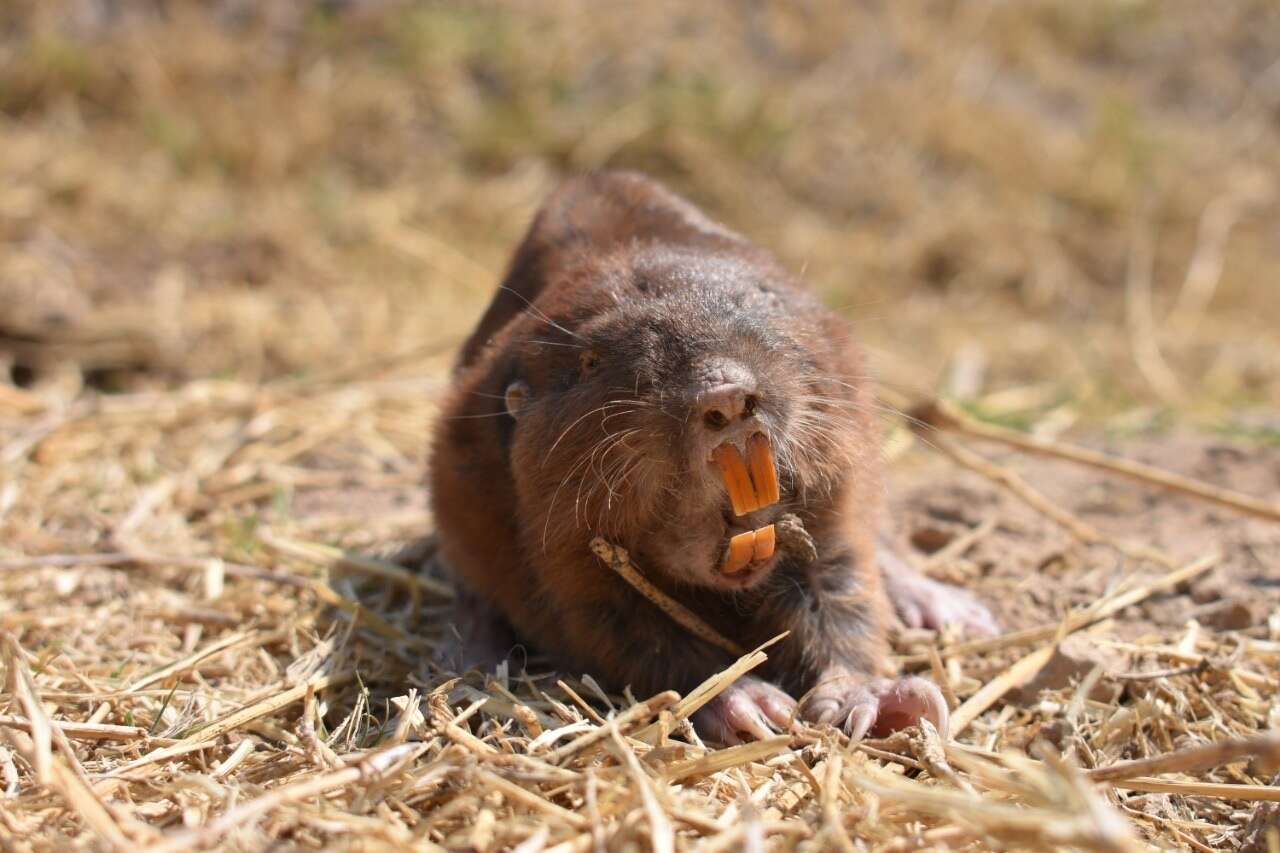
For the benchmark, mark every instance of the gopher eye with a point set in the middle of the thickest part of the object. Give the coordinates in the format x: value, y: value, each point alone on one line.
x: 588, y: 360
x: 517, y: 393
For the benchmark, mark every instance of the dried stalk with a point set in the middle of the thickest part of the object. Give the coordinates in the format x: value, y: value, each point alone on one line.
x: 945, y: 416
x: 619, y: 560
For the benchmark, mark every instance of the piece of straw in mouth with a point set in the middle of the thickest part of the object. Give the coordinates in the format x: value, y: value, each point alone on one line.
x: 619, y: 560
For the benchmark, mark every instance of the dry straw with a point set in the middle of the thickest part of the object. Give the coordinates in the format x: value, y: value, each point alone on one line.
x: 228, y: 687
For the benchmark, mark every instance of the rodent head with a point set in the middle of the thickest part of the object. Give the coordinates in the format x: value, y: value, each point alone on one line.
x: 620, y: 401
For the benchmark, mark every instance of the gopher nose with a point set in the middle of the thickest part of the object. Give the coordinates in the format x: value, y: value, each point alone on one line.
x: 725, y: 404
x: 728, y: 395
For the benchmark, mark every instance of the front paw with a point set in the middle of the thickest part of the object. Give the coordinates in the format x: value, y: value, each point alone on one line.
x: 749, y: 709
x: 922, y: 602
x: 879, y: 706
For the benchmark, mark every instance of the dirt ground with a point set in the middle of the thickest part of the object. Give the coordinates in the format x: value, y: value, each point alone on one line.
x: 1033, y: 571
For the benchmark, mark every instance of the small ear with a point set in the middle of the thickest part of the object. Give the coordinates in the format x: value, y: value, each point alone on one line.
x: 517, y: 393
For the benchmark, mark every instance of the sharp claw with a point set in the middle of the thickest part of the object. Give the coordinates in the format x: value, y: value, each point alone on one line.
x: 936, y: 710
x: 905, y: 702
x: 782, y: 714
x: 860, y: 721
x: 753, y: 724
x: 823, y: 711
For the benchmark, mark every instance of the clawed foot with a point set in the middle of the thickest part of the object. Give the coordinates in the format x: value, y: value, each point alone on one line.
x: 877, y: 706
x: 749, y: 709
x: 922, y: 602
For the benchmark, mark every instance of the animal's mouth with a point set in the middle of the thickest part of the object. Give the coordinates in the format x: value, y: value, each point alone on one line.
x: 752, y: 484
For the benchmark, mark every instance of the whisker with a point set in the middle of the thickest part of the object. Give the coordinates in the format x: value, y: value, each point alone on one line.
x: 537, y: 312
x: 553, y: 343
x: 474, y: 417
x: 577, y: 421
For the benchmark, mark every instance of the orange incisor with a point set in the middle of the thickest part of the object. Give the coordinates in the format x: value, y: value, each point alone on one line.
x: 752, y: 484
x: 749, y: 490
x: 750, y: 547
x: 742, y: 495
x: 764, y: 474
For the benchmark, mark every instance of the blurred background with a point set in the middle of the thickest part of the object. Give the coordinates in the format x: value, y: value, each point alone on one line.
x: 1048, y: 206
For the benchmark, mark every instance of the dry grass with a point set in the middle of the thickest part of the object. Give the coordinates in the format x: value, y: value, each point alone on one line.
x: 238, y: 245
x: 202, y: 677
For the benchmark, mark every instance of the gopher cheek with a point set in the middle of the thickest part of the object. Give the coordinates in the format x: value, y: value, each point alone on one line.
x: 688, y: 556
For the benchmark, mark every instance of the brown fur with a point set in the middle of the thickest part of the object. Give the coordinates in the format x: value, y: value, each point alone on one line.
x: 616, y: 266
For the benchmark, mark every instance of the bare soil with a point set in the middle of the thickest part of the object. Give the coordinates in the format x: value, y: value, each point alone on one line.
x: 1032, y: 571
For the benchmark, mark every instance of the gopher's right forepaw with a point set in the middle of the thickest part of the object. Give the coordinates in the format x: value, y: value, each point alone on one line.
x: 749, y: 709
x: 879, y: 706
